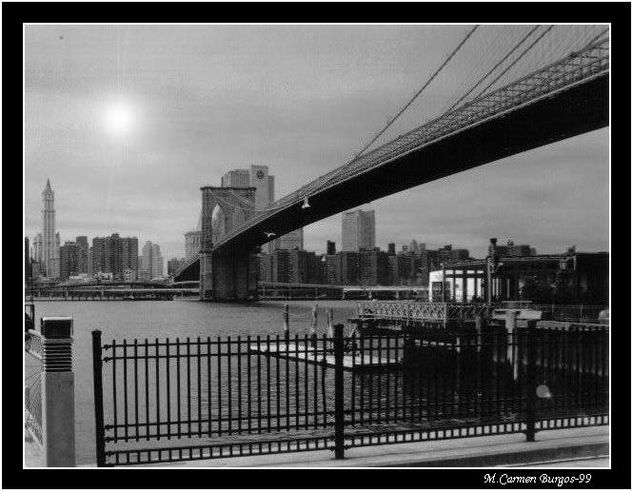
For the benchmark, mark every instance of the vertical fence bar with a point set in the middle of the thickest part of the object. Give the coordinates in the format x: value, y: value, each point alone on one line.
x: 168, y: 388
x: 114, y: 393
x: 530, y: 381
x: 146, y: 390
x: 97, y: 375
x: 239, y: 384
x: 339, y: 415
x: 125, y: 404
x: 157, y: 378
x: 136, y: 418
x: 229, y: 383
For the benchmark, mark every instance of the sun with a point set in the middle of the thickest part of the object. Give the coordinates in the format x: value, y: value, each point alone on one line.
x: 119, y: 118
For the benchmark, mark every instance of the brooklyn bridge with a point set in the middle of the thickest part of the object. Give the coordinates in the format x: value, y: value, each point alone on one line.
x: 546, y: 84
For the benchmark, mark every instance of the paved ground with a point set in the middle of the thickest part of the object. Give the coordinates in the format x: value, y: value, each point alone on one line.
x: 581, y: 447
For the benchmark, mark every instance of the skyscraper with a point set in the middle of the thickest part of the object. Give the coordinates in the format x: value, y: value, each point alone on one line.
x: 238, y: 178
x: 152, y: 261
x: 68, y: 260
x: 264, y: 184
x: 115, y: 255
x: 47, y: 244
x: 359, y: 230
x: 82, y: 254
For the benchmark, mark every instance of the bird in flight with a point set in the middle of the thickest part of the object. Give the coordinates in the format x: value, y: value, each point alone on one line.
x: 270, y: 234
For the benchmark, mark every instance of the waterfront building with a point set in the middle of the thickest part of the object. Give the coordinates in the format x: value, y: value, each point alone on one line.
x: 447, y: 253
x: 114, y: 255
x: 304, y: 267
x: 511, y: 250
x: 152, y: 260
x: 280, y: 266
x: 374, y: 267
x: 568, y: 278
x: 265, y: 267
x: 358, y: 230
x: 330, y: 248
x: 192, y: 244
x: 348, y: 267
x: 331, y: 269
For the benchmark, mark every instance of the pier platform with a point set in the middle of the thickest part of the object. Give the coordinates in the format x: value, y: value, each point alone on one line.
x: 299, y: 352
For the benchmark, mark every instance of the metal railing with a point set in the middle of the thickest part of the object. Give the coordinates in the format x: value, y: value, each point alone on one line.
x: 412, y: 310
x: 33, y: 384
x: 578, y: 67
x: 165, y: 400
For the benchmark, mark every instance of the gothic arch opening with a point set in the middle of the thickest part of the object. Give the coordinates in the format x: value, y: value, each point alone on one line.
x: 218, y: 223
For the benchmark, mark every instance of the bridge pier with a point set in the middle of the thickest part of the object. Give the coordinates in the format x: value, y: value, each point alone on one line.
x: 227, y: 276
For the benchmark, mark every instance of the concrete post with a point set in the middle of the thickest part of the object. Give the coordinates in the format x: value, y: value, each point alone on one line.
x: 58, y: 392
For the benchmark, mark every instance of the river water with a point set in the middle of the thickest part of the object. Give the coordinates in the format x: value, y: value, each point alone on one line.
x: 161, y: 319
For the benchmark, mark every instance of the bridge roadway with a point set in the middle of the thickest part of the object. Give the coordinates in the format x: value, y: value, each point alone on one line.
x: 560, y: 101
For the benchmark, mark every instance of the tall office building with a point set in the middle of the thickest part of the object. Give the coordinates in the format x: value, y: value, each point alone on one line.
x: 47, y: 244
x: 238, y: 178
x: 259, y: 178
x: 68, y: 260
x: 359, y: 230
x: 82, y: 254
x: 151, y: 261
x: 115, y: 255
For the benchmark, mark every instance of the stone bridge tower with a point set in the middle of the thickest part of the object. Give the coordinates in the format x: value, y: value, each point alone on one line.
x: 229, y: 274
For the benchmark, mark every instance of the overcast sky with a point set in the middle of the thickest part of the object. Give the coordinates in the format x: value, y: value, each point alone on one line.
x: 128, y: 122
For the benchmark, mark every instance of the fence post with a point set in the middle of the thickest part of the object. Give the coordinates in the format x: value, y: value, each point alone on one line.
x: 58, y: 392
x: 530, y: 381
x: 97, y: 373
x: 339, y: 415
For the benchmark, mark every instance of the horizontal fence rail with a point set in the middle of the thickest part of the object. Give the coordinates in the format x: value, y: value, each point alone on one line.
x: 168, y: 400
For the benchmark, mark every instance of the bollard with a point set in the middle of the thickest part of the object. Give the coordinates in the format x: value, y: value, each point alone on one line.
x: 58, y: 397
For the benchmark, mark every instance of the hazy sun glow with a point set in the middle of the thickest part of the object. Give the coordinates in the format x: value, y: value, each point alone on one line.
x: 119, y: 118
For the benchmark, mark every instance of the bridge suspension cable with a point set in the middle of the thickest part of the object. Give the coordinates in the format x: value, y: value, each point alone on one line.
x: 525, y: 51
x: 417, y: 94
x: 499, y: 63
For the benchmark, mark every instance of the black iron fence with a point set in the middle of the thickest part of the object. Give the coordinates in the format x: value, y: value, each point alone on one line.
x: 167, y: 400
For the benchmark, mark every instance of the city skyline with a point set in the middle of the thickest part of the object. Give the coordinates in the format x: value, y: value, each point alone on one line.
x: 186, y: 134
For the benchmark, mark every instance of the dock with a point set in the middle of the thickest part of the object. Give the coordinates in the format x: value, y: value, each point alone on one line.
x: 351, y: 362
